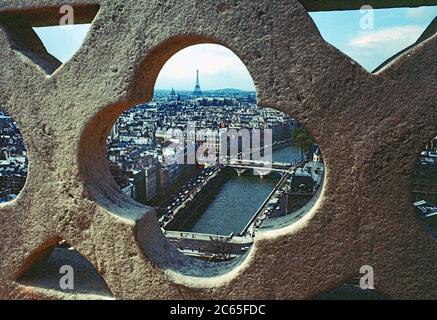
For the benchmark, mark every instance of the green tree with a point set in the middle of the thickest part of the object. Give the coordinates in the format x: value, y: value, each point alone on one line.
x: 303, y: 139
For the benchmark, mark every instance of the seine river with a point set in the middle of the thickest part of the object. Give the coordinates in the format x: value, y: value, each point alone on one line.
x: 239, y: 199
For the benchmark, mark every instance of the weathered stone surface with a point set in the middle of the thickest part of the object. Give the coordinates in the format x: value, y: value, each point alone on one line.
x: 370, y: 127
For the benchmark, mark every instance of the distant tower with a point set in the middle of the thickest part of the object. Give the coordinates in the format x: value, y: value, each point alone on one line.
x: 197, y: 92
x: 172, y: 94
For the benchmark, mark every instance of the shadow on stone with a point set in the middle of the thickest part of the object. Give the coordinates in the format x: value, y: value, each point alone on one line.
x: 45, y: 273
x: 349, y: 291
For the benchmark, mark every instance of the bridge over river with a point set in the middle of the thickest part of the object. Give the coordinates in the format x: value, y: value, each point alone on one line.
x: 237, y: 205
x: 260, y: 168
x: 208, y: 246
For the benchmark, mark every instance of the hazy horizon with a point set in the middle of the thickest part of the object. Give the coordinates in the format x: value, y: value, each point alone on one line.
x: 218, y: 66
x: 207, y: 90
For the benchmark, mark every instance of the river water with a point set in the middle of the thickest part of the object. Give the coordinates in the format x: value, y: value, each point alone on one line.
x: 239, y: 199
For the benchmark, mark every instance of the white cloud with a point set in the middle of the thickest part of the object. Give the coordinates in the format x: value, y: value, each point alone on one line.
x: 400, y: 36
x: 371, y: 48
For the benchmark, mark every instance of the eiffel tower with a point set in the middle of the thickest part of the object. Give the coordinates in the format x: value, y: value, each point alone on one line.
x: 197, y: 92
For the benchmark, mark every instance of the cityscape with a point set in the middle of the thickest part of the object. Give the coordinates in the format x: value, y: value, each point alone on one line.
x: 13, y: 159
x: 424, y: 189
x: 211, y: 207
x: 195, y: 201
x: 218, y: 155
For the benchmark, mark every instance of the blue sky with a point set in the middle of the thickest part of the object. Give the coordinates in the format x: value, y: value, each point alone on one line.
x: 394, y: 29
